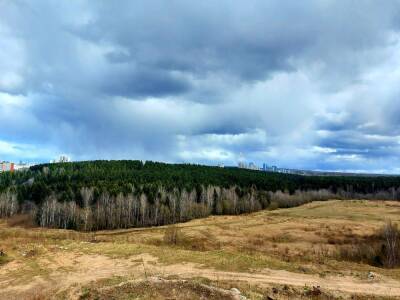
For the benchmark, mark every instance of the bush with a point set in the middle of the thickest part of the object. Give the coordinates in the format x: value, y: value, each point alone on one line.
x: 287, y: 200
x: 22, y: 220
x: 172, y: 235
x: 367, y: 253
x: 274, y: 205
x: 3, y: 257
x: 391, y: 248
x: 381, y: 249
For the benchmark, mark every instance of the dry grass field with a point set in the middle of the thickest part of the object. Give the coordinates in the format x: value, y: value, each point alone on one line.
x: 305, y: 252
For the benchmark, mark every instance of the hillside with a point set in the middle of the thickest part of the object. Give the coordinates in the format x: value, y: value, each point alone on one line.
x: 119, y: 194
x: 322, y: 250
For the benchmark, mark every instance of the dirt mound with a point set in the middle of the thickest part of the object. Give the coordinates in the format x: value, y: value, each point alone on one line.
x: 157, y: 288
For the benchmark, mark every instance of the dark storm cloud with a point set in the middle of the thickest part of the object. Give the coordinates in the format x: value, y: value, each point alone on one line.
x: 353, y: 142
x: 181, y: 37
x: 144, y: 83
x: 310, y: 84
x: 248, y: 41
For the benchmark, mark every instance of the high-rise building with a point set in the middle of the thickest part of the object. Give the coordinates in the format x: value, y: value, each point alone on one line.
x: 242, y: 165
x: 252, y: 166
x: 7, y: 166
x: 62, y: 159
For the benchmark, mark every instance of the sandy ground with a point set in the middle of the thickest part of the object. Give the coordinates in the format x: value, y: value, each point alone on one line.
x: 63, y: 262
x: 83, y: 269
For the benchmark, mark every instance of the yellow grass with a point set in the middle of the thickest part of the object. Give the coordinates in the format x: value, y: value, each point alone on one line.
x: 301, y: 240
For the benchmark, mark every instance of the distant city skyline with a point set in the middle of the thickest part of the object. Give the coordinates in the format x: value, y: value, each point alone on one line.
x: 306, y: 85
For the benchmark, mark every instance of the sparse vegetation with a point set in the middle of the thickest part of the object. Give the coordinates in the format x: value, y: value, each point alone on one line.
x: 21, y: 220
x: 391, y: 245
x: 3, y: 257
x: 380, y: 249
x: 267, y: 253
x: 158, y: 290
x: 172, y: 235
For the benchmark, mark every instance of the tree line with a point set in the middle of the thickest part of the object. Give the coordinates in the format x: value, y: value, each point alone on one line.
x: 120, y: 194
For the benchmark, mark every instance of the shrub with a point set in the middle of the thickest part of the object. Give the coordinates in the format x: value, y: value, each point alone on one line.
x: 391, y: 247
x: 381, y: 249
x: 274, y: 205
x: 3, y: 257
x: 22, y: 220
x: 172, y: 235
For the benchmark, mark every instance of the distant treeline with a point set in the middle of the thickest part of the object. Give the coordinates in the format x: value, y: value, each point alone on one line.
x: 120, y: 194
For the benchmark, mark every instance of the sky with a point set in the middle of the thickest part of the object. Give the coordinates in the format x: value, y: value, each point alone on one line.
x: 298, y: 84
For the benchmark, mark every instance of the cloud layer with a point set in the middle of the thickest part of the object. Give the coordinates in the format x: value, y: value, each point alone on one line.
x: 305, y: 85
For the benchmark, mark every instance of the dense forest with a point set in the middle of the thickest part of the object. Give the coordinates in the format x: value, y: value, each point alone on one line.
x: 120, y: 194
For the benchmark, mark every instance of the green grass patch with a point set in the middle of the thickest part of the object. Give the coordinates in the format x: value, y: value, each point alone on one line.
x: 4, y: 259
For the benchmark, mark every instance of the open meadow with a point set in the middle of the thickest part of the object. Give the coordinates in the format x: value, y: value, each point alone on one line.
x: 321, y: 250
x: 199, y: 150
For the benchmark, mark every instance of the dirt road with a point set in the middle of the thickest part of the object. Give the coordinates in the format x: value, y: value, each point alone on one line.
x: 69, y: 272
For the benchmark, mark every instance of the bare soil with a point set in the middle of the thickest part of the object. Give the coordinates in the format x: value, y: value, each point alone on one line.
x: 239, y: 251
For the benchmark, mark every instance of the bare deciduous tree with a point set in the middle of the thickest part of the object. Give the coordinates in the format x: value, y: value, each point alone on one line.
x: 391, y: 235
